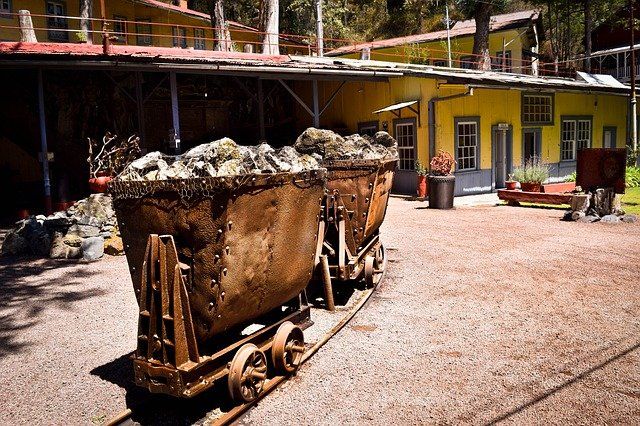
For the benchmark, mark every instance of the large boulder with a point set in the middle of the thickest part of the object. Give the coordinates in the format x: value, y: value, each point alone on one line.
x: 113, y: 246
x: 61, y: 250
x: 92, y: 248
x: 83, y: 231
x: 317, y: 141
x: 14, y: 244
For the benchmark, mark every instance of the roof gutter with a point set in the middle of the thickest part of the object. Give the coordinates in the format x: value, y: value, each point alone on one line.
x: 432, y: 116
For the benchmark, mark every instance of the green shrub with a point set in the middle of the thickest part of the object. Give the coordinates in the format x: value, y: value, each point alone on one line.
x: 533, y: 171
x: 633, y: 177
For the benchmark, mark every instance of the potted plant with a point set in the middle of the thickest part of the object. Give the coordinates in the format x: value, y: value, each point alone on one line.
x: 111, y: 158
x: 531, y: 175
x: 422, y: 179
x: 441, y: 181
x: 511, y: 184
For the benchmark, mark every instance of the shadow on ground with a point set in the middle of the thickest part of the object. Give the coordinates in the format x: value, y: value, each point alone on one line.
x: 26, y: 293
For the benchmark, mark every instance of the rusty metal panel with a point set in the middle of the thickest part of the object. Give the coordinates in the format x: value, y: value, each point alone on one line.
x: 601, y: 168
x: 249, y: 243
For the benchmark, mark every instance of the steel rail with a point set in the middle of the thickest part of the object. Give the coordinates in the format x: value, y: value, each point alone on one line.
x: 276, y: 381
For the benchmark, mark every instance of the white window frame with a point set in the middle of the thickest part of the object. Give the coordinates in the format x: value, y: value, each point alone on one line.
x: 199, y: 42
x: 575, y: 133
x: 470, y: 151
x: 496, y: 63
x: 536, y: 112
x: 405, y: 130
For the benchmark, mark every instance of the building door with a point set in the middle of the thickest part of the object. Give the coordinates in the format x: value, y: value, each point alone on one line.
x: 609, y: 137
x: 404, y: 181
x: 501, y: 155
x: 531, y: 144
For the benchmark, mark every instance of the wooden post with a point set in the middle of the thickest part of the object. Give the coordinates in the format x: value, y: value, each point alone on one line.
x: 140, y: 108
x: 43, y: 145
x: 261, y: 111
x: 27, y: 33
x: 175, y: 112
x: 316, y: 107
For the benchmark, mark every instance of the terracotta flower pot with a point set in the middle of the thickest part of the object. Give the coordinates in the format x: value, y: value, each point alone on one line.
x: 530, y: 186
x: 99, y: 184
x: 511, y: 185
x: 422, y: 186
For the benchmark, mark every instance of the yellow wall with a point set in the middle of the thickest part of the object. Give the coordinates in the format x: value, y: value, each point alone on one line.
x: 162, y: 35
x: 426, y: 53
x: 358, y: 100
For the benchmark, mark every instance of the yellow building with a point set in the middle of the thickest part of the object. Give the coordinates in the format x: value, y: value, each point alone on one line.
x: 518, y: 34
x: 130, y: 22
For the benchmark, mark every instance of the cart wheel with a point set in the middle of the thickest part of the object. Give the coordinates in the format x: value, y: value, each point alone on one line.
x: 369, y: 271
x: 247, y: 373
x: 287, y: 348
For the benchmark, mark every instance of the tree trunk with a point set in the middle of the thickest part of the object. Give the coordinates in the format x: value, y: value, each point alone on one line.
x: 221, y: 34
x: 482, y: 16
x: 270, y: 27
x: 86, y: 12
x: 588, y: 25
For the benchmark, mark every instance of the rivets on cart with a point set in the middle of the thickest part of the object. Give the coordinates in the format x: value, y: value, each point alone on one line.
x: 366, y: 200
x: 212, y: 305
x: 229, y: 224
x: 224, y: 271
x: 216, y: 257
x: 227, y: 249
x: 213, y: 282
x: 353, y: 197
x: 222, y: 295
x: 220, y: 231
x: 370, y: 184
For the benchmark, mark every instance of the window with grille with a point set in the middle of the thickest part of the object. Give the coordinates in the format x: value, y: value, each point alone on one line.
x: 440, y: 63
x: 179, y: 37
x: 496, y: 62
x: 198, y: 39
x: 467, y: 62
x: 368, y: 128
x: 467, y: 144
x: 143, y: 32
x: 406, y: 137
x: 575, y: 135
x: 537, y: 109
x: 5, y: 8
x: 120, y: 28
x: 56, y: 21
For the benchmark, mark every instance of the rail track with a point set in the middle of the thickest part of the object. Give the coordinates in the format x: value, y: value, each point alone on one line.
x: 126, y: 416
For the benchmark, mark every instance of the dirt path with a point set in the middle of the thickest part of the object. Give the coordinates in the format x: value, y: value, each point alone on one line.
x: 487, y: 313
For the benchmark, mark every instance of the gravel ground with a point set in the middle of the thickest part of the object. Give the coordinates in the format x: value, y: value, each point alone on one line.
x: 485, y: 314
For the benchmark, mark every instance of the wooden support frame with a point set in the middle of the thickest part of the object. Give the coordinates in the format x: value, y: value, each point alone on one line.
x: 317, y: 112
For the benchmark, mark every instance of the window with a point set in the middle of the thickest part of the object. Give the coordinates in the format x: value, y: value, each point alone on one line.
x: 5, y: 8
x: 143, y: 32
x: 467, y: 143
x: 368, y: 128
x: 439, y: 63
x: 179, y: 37
x: 537, y: 108
x: 496, y: 62
x: 405, y: 132
x: 198, y: 39
x: 575, y: 135
x: 120, y: 28
x: 56, y: 21
x: 467, y: 62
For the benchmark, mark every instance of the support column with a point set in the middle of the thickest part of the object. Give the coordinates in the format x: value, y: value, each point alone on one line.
x: 43, y: 145
x: 261, y: 111
x: 140, y: 107
x: 316, y: 105
x: 175, y: 111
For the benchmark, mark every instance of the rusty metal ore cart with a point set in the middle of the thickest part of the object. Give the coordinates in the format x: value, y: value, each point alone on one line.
x: 219, y: 267
x: 354, y: 208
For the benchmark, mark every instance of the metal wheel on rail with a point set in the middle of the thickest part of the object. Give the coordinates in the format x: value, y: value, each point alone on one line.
x: 374, y: 267
x: 288, y: 348
x: 247, y: 373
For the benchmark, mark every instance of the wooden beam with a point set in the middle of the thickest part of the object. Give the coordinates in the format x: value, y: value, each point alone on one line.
x: 175, y: 111
x: 316, y: 103
x: 261, y: 111
x: 533, y: 197
x: 296, y: 97
x: 140, y: 107
x: 43, y: 145
x: 332, y: 97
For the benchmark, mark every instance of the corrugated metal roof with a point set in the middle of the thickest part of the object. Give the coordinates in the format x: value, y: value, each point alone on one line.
x: 189, y: 60
x: 461, y: 28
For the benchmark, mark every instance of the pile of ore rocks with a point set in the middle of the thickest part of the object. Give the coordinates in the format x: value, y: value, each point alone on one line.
x: 219, y: 158
x: 603, y: 205
x: 331, y: 146
x: 86, y: 230
x: 224, y: 157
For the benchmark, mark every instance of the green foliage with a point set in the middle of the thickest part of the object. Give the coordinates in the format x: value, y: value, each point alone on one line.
x: 572, y: 177
x: 420, y: 169
x: 533, y: 171
x: 632, y: 178
x: 631, y: 201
